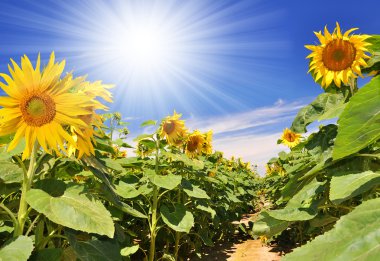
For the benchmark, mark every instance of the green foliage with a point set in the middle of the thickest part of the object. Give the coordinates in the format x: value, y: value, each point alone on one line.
x: 179, y: 219
x: 74, y: 209
x: 359, y: 124
x: 325, y: 106
x: 18, y: 250
x: 354, y: 237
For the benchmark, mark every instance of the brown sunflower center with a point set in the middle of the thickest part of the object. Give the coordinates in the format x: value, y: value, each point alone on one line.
x: 338, y: 55
x: 169, y: 127
x: 192, y: 144
x: 290, y: 137
x: 38, y: 110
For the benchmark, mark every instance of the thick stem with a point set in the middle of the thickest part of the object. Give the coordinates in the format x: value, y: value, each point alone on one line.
x: 26, y: 184
x: 177, y: 234
x: 152, y: 248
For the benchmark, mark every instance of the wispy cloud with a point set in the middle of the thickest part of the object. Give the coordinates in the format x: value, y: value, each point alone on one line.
x: 251, y: 135
x: 249, y: 120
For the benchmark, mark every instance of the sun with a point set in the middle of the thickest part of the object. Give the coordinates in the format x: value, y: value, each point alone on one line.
x: 144, y: 47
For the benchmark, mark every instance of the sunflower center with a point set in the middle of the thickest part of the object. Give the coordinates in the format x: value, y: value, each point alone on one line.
x: 338, y: 55
x: 192, y: 144
x: 38, y: 110
x: 169, y: 127
x: 290, y: 137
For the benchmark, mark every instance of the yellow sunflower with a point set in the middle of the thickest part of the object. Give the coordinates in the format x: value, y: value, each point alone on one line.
x: 290, y: 138
x: 194, y: 144
x: 40, y: 105
x: 84, y: 136
x: 207, y: 145
x: 339, y: 57
x: 173, y: 129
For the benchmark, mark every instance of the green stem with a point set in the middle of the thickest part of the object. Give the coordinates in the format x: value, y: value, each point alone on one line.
x: 26, y: 184
x: 10, y: 213
x: 153, y: 232
x: 177, y: 234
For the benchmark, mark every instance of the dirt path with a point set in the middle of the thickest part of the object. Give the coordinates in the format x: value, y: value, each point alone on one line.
x: 242, y: 249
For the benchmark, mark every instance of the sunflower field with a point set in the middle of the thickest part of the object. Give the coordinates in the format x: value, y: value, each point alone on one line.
x: 325, y: 190
x: 69, y: 190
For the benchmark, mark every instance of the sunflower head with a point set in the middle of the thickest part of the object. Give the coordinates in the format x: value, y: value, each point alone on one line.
x: 290, y: 138
x: 40, y: 106
x: 84, y: 136
x: 173, y: 129
x: 339, y: 56
x: 207, y: 145
x: 194, y: 144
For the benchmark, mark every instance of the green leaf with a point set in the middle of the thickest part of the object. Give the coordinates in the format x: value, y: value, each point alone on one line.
x: 179, y: 220
x: 359, y: 124
x: 167, y: 182
x: 18, y: 250
x: 350, y: 185
x: 293, y: 214
x: 95, y: 250
x: 126, y: 190
x: 268, y: 226
x: 325, y: 106
x: 143, y: 136
x: 130, y: 250
x: 48, y: 254
x: 193, y: 191
x: 206, y: 208
x: 74, y: 210
x: 304, y: 197
x: 148, y: 123
x: 113, y: 164
x: 122, y: 143
x: 10, y: 172
x: 355, y: 237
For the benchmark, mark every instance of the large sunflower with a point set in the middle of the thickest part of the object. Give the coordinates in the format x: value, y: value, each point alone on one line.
x: 194, y: 144
x: 173, y: 129
x: 39, y: 106
x: 290, y: 138
x: 339, y: 57
x: 84, y: 136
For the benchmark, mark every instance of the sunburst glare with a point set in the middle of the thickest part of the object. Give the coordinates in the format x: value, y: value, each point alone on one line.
x: 192, y: 56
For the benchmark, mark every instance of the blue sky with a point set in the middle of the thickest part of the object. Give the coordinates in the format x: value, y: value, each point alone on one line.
x: 238, y: 67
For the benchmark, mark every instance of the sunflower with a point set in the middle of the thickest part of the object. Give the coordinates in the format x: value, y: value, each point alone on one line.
x: 207, y: 146
x: 173, y: 129
x: 194, y: 144
x: 40, y: 105
x: 339, y: 57
x: 84, y: 136
x: 290, y: 138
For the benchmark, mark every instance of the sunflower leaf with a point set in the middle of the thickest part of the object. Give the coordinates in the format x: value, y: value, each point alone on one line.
x: 355, y: 237
x: 325, y: 106
x: 359, y: 124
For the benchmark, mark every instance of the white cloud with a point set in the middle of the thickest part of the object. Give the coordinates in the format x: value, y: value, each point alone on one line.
x: 242, y: 135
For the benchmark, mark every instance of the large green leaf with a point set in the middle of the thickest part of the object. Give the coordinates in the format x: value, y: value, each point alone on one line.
x: 325, y: 106
x: 304, y: 197
x: 74, y: 210
x: 10, y: 172
x: 18, y: 250
x: 95, y: 250
x: 350, y: 185
x: 356, y: 236
x: 359, y: 124
x: 193, y: 191
x: 268, y: 226
x: 126, y: 190
x: 293, y: 214
x: 179, y: 220
x: 167, y: 182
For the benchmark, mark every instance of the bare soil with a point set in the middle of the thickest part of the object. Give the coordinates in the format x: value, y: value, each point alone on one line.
x: 243, y: 248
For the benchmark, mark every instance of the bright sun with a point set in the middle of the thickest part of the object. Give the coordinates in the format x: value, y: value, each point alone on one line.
x: 144, y: 47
